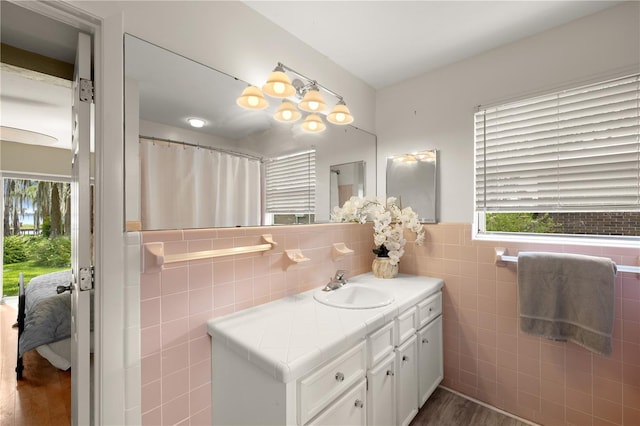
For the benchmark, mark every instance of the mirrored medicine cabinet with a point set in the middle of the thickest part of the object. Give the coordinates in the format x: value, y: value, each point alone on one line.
x: 411, y: 178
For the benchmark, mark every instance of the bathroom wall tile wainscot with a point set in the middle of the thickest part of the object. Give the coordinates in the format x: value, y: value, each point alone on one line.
x: 178, y: 299
x: 487, y: 357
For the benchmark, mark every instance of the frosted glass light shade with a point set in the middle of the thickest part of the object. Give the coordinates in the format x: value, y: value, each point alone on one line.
x: 278, y: 85
x: 312, y: 101
x: 252, y: 98
x: 287, y: 113
x: 313, y: 124
x: 340, y: 115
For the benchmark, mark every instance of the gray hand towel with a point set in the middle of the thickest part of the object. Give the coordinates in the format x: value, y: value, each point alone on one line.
x: 567, y: 297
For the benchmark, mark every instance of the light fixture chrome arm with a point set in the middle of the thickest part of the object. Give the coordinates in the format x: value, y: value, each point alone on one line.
x: 310, y: 82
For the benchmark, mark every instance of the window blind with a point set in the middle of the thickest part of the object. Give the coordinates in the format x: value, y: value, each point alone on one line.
x: 291, y: 183
x: 575, y: 150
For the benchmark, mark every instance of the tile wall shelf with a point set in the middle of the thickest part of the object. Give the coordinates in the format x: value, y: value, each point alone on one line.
x: 295, y: 257
x: 340, y: 250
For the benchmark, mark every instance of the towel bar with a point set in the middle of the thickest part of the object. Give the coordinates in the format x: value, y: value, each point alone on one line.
x: 157, y: 251
x: 502, y: 258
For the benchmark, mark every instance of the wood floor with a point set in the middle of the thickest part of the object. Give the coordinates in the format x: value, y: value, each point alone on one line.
x: 445, y: 408
x: 43, y: 396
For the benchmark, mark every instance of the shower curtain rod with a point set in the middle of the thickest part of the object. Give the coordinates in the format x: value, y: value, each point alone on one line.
x: 210, y: 148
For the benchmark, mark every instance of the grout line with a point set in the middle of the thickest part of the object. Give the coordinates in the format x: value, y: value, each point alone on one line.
x: 490, y: 407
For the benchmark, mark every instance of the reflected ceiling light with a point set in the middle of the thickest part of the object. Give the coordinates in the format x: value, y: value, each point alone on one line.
x: 252, y: 98
x: 278, y: 84
x: 340, y: 114
x: 196, y: 122
x: 313, y: 124
x: 287, y: 112
x: 312, y: 101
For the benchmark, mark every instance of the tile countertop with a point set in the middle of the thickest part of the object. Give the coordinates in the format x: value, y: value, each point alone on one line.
x: 289, y: 337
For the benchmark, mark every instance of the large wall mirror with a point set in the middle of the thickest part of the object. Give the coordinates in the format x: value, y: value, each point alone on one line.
x: 168, y: 163
x: 411, y: 178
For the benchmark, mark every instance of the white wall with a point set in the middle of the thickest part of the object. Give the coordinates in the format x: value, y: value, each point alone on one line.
x: 435, y: 110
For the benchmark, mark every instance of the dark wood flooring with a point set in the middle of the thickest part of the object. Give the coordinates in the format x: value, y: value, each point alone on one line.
x: 43, y: 396
x: 445, y: 408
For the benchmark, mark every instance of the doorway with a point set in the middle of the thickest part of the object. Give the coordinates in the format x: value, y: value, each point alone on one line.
x: 35, y: 147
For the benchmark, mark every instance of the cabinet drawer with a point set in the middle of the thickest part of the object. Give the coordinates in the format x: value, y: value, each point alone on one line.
x: 348, y: 410
x: 429, y: 309
x: 405, y: 325
x: 320, y: 387
x: 380, y: 344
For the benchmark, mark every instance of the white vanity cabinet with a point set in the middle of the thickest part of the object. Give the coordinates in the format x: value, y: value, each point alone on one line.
x: 318, y: 390
x: 407, y: 384
x: 419, y: 363
x: 381, y: 383
x: 429, y: 342
x: 351, y: 367
x: 348, y: 410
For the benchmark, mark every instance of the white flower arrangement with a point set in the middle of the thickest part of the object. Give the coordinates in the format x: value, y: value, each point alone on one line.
x: 389, y: 222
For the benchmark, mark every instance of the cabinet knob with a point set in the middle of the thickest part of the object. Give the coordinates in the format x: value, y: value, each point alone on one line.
x: 425, y: 340
x: 358, y: 403
x: 390, y: 373
x: 430, y: 309
x: 405, y: 358
x: 339, y: 377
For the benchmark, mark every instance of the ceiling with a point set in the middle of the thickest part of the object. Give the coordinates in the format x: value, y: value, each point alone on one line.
x: 385, y: 42
x: 380, y: 42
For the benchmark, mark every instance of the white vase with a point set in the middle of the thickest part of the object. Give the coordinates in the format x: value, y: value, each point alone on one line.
x: 382, y: 268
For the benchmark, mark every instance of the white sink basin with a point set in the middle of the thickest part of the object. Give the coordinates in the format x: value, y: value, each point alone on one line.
x: 354, y: 296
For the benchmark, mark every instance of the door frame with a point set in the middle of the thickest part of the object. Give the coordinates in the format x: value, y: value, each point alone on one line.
x: 110, y: 393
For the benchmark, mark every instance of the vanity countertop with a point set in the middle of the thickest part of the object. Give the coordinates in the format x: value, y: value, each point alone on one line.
x: 290, y: 336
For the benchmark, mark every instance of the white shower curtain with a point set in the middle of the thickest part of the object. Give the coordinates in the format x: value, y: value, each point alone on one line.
x: 190, y: 187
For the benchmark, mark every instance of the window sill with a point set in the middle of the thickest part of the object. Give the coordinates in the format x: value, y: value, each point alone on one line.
x: 604, y: 241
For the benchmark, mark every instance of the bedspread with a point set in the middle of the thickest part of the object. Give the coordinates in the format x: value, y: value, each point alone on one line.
x: 47, y: 314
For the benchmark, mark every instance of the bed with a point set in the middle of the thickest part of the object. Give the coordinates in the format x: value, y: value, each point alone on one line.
x: 44, y: 320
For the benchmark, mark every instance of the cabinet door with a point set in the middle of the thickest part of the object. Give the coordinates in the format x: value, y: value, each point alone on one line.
x: 381, y: 393
x: 348, y: 410
x: 430, y: 371
x: 407, y: 381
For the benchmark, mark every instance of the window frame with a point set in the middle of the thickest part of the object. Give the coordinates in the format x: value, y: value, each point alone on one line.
x: 479, y: 231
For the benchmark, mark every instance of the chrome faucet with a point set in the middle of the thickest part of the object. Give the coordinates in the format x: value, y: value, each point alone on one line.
x: 337, y: 281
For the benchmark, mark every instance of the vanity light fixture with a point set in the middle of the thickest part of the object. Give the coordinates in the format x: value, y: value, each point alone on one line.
x: 196, y: 122
x: 252, y: 98
x: 287, y: 112
x: 303, y: 91
x: 312, y: 100
x: 278, y: 84
x: 313, y: 124
x: 340, y: 114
